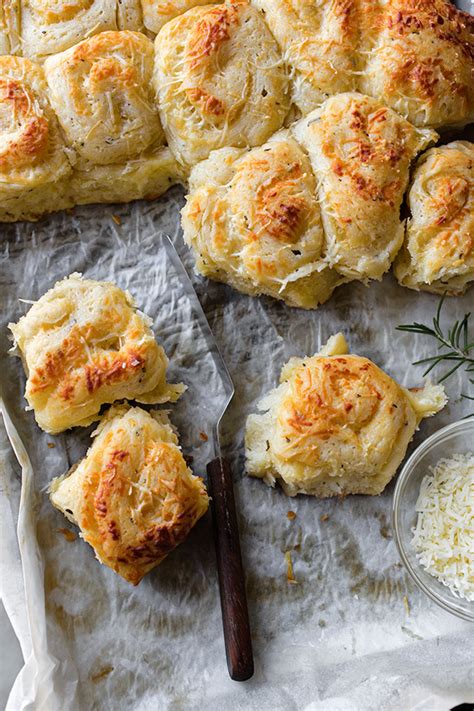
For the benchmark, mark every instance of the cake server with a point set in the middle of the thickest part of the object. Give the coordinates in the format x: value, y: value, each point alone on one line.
x: 237, y: 638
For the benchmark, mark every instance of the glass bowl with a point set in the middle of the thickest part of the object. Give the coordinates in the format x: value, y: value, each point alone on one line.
x: 453, y: 439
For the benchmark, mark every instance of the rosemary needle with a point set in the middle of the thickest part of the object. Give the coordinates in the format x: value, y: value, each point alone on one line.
x: 456, y: 347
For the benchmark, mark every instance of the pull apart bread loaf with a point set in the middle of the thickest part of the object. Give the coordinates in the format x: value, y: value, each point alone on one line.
x: 315, y: 206
x: 84, y: 344
x: 438, y: 254
x: 132, y: 496
x: 336, y: 425
x: 220, y: 80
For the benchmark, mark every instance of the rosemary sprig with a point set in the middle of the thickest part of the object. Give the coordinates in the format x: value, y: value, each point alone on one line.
x: 454, y: 347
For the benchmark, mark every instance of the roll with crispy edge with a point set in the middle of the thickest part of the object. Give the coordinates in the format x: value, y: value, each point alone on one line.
x: 360, y: 152
x: 102, y: 92
x: 51, y: 26
x: 220, y: 80
x: 253, y: 219
x: 34, y: 161
x: 419, y: 60
x: 336, y: 425
x: 438, y: 254
x: 132, y: 496
x: 83, y: 344
x: 318, y: 41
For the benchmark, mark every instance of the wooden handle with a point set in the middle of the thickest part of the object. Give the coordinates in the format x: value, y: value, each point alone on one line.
x: 235, y: 616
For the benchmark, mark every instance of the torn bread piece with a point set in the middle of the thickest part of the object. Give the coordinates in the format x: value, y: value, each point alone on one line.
x: 132, y: 496
x: 84, y: 344
x: 336, y: 425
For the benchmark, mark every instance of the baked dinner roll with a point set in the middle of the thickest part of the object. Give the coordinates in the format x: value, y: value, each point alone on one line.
x: 318, y: 41
x: 438, y: 254
x: 132, y: 496
x: 220, y: 80
x: 102, y: 92
x: 360, y: 152
x: 83, y: 344
x: 336, y: 425
x: 156, y: 13
x: 34, y: 163
x: 420, y: 60
x: 253, y: 219
x: 50, y: 26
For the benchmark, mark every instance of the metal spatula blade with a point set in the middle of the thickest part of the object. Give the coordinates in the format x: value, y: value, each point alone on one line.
x: 237, y: 638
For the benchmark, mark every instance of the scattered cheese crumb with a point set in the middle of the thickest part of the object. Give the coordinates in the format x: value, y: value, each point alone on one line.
x: 291, y: 515
x: 51, y: 445
x: 324, y: 517
x: 69, y: 535
x: 289, y: 569
x: 444, y: 533
x: 406, y: 604
x: 203, y: 436
x: 116, y: 219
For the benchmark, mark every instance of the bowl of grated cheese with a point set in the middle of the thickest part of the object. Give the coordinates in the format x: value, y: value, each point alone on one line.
x: 433, y: 517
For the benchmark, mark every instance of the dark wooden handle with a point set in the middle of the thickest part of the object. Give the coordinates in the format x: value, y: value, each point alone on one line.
x: 235, y: 616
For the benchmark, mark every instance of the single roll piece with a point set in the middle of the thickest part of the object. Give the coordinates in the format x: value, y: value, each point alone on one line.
x: 102, y: 92
x: 132, y: 496
x: 438, y: 254
x: 336, y: 425
x: 220, y: 80
x: 83, y: 344
x: 419, y: 60
x: 318, y: 41
x: 253, y: 219
x: 34, y: 162
x: 50, y: 26
x: 360, y: 152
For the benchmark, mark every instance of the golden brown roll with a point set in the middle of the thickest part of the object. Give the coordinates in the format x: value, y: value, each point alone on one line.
x: 438, y: 254
x: 336, y: 425
x: 34, y: 162
x: 220, y: 80
x: 420, y: 60
x: 318, y: 41
x: 360, y: 152
x: 156, y: 13
x: 83, y: 344
x: 50, y: 26
x: 132, y: 496
x: 253, y: 219
x: 102, y: 92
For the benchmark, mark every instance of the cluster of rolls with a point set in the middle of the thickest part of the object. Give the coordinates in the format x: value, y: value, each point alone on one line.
x: 295, y: 124
x: 84, y: 344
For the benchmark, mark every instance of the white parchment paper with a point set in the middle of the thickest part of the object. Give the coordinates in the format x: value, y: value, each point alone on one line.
x: 342, y: 638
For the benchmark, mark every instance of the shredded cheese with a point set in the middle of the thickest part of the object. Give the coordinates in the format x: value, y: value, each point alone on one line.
x: 444, y: 533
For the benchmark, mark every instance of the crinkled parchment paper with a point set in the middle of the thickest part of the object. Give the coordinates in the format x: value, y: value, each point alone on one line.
x: 343, y: 637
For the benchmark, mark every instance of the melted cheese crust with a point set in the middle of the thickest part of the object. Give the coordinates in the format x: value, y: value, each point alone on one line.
x: 317, y: 40
x: 84, y: 344
x: 50, y: 26
x: 254, y: 221
x: 132, y: 496
x: 220, y: 80
x: 34, y: 161
x: 360, y: 152
x: 438, y: 255
x: 336, y: 425
x: 420, y: 60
